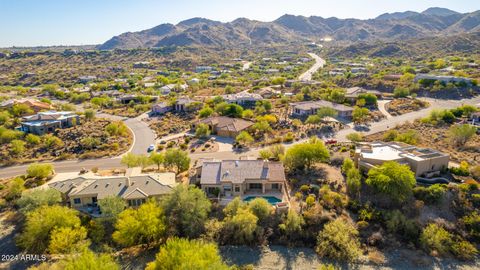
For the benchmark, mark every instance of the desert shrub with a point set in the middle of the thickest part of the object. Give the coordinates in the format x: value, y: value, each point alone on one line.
x: 464, y: 250
x: 39, y: 171
x: 397, y: 223
x: 430, y: 195
x: 434, y: 238
x: 472, y: 224
x: 338, y: 240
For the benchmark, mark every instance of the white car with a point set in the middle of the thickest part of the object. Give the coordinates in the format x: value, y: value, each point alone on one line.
x: 151, y: 148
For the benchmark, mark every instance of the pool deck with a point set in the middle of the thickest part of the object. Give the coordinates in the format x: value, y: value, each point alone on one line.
x: 279, y: 195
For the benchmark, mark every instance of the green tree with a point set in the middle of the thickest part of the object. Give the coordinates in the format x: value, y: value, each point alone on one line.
x: 436, y: 238
x: 157, y: 159
x: 116, y: 129
x: 232, y: 207
x: 186, y: 254
x: 41, y: 222
x: 360, y: 115
x: 354, y: 181
x: 15, y: 188
x: 261, y: 208
x: 144, y: 225
x: 32, y: 139
x: 40, y: 171
x: 144, y: 161
x: 20, y: 109
x: 130, y: 160
x: 303, y: 156
x: 89, y: 260
x: 355, y: 137
x: 187, y: 210
x: 205, y: 112
x: 292, y: 224
x: 242, y: 226
x: 89, y: 114
x: 244, y: 138
x: 338, y: 240
x: 66, y: 240
x: 370, y: 99
x: 177, y: 159
x: 347, y: 165
x: 231, y: 110
x: 461, y: 134
x: 262, y: 127
x: 90, y: 143
x: 33, y: 199
x: 51, y: 141
x: 393, y: 179
x: 202, y: 131
x: 401, y: 92
x: 17, y: 147
x: 248, y: 114
x: 111, y: 206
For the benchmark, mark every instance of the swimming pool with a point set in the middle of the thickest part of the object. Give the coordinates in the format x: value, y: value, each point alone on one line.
x: 272, y: 200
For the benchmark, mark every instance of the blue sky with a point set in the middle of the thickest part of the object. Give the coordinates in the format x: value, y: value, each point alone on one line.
x: 79, y: 22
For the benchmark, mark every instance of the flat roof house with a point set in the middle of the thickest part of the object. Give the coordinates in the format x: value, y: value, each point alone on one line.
x: 306, y: 108
x: 423, y: 162
x: 445, y: 79
x: 243, y: 98
x: 81, y: 193
x: 225, y: 126
x: 242, y: 177
x: 181, y: 105
x: 45, y: 122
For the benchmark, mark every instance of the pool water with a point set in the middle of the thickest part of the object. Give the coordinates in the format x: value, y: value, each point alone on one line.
x: 272, y: 200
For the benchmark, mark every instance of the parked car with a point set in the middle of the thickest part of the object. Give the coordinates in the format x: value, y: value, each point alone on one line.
x: 151, y: 148
x: 330, y: 141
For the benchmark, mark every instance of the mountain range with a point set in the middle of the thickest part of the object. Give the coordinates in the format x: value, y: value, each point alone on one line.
x: 300, y: 29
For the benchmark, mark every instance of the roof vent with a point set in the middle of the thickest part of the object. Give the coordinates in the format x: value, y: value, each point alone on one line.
x: 236, y: 163
x: 107, y: 184
x: 95, y: 186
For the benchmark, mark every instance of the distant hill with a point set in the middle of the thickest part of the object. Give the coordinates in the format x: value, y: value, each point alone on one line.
x: 300, y: 29
x: 417, y: 47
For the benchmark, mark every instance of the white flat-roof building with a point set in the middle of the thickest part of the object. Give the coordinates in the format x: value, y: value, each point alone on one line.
x: 422, y: 161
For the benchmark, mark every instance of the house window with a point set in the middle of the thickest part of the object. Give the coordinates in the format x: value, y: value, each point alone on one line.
x: 77, y: 201
x: 237, y: 189
x: 255, y: 186
x: 136, y: 202
x: 227, y: 188
x: 275, y: 186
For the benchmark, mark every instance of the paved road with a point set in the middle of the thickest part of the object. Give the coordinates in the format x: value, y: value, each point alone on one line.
x: 143, y: 137
x: 383, y: 109
x: 319, y: 63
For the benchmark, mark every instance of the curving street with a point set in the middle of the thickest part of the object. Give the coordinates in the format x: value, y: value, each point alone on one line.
x: 319, y: 63
x: 143, y: 136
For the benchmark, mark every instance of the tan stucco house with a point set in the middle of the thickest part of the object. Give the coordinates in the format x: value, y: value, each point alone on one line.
x: 424, y: 162
x: 240, y: 177
x: 83, y: 192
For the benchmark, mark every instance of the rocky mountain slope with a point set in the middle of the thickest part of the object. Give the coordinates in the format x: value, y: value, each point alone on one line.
x: 298, y: 29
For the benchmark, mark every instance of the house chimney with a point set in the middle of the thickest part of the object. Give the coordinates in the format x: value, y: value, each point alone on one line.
x: 128, y: 182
